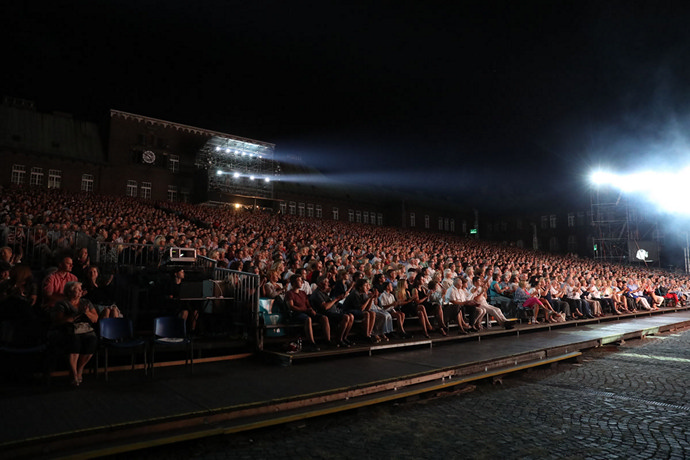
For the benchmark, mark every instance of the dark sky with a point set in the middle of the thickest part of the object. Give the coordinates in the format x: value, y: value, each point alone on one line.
x: 483, y: 98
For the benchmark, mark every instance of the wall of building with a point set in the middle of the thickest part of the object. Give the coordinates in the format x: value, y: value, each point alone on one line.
x: 142, y: 151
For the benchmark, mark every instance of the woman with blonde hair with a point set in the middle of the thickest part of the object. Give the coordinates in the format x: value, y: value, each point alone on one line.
x: 72, y: 330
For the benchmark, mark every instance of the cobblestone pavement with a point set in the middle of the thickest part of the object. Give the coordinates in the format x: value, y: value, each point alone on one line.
x: 628, y: 402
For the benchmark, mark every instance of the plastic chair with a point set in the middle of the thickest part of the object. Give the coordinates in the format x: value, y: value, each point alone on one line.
x: 169, y: 332
x: 118, y: 333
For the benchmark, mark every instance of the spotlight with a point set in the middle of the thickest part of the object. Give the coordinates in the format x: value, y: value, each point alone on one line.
x: 601, y: 177
x: 268, y: 179
x: 236, y: 175
x: 227, y: 150
x: 217, y: 148
x: 219, y: 173
x: 251, y: 177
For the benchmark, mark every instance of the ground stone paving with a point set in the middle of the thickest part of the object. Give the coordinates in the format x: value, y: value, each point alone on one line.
x: 627, y: 402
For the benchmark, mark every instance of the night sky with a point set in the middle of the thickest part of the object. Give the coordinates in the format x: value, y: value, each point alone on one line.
x: 496, y: 103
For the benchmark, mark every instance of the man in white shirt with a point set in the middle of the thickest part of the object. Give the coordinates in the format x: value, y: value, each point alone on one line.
x: 457, y: 298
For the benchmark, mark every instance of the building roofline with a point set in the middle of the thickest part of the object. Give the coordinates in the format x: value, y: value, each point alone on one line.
x: 185, y: 128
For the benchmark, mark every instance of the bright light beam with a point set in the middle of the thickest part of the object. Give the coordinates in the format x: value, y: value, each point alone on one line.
x: 667, y: 190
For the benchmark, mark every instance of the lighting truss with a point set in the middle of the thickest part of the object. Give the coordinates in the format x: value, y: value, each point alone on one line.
x: 238, y: 166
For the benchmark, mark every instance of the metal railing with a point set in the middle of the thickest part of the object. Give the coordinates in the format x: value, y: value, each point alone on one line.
x: 39, y: 246
x: 206, y: 262
x: 129, y: 254
x: 244, y: 289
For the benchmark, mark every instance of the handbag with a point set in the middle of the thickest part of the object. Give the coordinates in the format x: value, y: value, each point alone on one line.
x: 82, y: 328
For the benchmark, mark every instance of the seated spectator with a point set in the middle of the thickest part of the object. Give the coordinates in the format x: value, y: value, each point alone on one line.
x: 636, y: 293
x: 6, y: 255
x: 434, y: 303
x: 18, y: 294
x: 390, y: 304
x: 301, y: 311
x: 72, y: 331
x: 419, y: 293
x: 573, y: 293
x: 358, y: 304
x: 457, y: 298
x: 272, y: 288
x: 82, y: 262
x: 100, y: 293
x: 524, y: 299
x: 497, y: 295
x: 412, y: 306
x: 54, y: 284
x: 613, y: 291
x: 554, y: 295
x: 342, y: 284
x: 177, y: 305
x: 324, y: 304
x: 478, y: 293
x: 649, y: 291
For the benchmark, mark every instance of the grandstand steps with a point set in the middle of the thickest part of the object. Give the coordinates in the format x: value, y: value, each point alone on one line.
x: 276, y: 353
x: 133, y: 412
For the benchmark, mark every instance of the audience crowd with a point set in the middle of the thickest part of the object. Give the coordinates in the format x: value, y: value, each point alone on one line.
x: 331, y: 272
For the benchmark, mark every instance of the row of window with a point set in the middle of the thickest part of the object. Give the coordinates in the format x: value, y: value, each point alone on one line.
x: 36, y: 177
x: 551, y: 220
x: 54, y: 178
x: 144, y: 191
x: 444, y: 223
x: 364, y: 217
x: 294, y: 208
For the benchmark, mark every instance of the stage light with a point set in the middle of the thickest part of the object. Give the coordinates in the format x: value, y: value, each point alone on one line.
x: 236, y: 175
x: 237, y: 206
x: 251, y: 177
x: 601, y: 178
x: 268, y: 179
x: 227, y: 150
x: 219, y: 173
x: 217, y: 148
x: 667, y: 190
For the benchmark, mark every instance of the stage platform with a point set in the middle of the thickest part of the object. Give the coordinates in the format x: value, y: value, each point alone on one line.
x: 133, y: 411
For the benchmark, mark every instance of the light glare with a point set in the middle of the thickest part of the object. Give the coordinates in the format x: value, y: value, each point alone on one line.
x: 667, y: 190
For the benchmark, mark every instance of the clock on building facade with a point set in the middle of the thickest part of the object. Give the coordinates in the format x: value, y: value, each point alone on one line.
x: 148, y: 157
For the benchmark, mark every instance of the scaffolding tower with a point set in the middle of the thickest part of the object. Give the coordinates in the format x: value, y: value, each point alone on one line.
x: 239, y: 167
x: 619, y: 224
x: 611, y: 224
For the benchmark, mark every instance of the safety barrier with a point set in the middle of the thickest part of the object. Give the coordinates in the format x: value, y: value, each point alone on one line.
x: 244, y: 289
x: 38, y: 245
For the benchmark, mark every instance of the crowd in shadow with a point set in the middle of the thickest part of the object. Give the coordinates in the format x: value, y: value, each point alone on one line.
x: 339, y: 274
